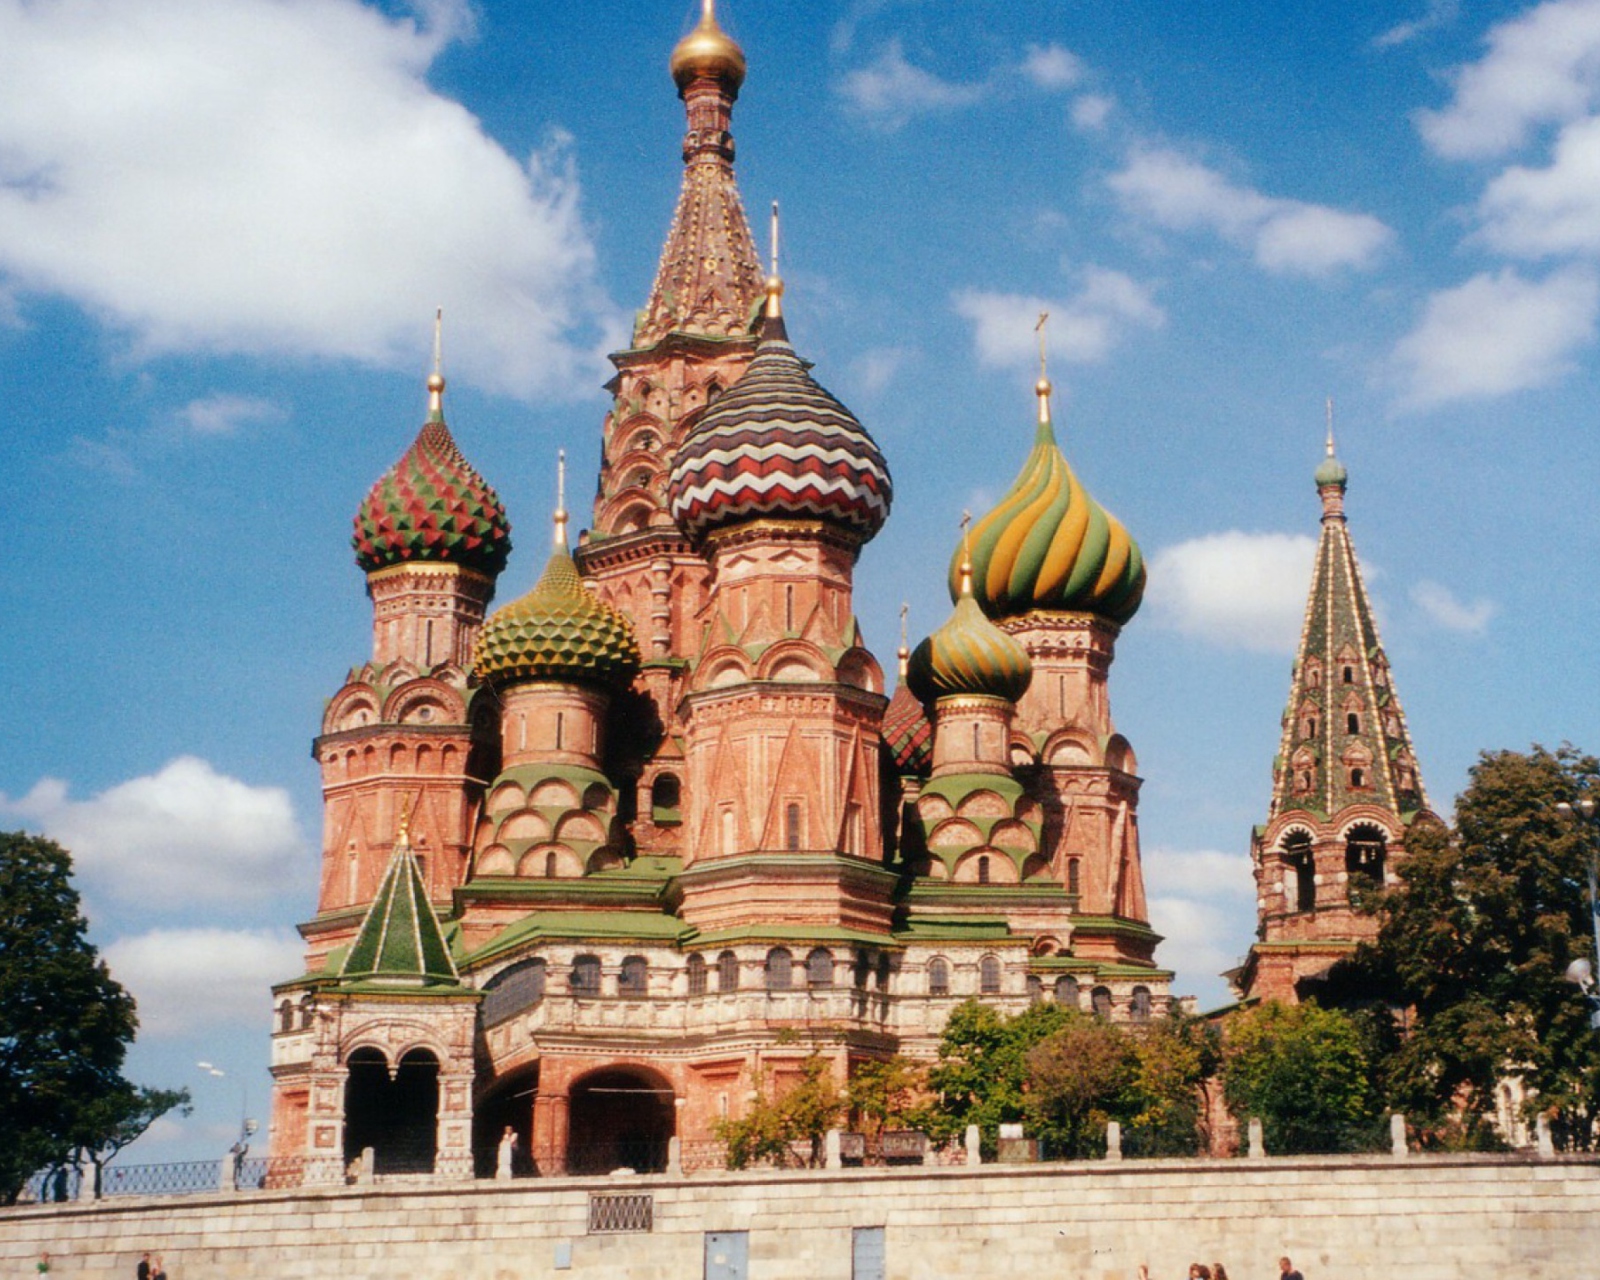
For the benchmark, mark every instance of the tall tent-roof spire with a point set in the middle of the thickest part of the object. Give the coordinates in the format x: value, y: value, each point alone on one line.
x: 400, y: 943
x: 1345, y: 739
x: 709, y: 281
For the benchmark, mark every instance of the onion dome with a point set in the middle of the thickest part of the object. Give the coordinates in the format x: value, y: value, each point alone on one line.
x: 708, y: 50
x: 969, y: 655
x: 776, y: 445
x: 558, y: 631
x: 1049, y: 545
x: 907, y: 732
x: 1330, y: 471
x: 431, y: 506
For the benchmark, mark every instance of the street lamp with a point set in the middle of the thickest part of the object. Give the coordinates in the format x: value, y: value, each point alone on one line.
x: 1581, y: 971
x: 247, y: 1126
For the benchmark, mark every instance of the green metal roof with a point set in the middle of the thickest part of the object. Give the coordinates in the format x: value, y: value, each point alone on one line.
x: 400, y: 942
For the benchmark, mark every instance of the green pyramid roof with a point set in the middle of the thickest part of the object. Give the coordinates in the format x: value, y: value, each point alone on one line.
x: 400, y: 942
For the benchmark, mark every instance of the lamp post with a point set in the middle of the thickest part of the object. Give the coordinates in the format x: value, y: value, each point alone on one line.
x: 247, y: 1126
x: 1580, y: 971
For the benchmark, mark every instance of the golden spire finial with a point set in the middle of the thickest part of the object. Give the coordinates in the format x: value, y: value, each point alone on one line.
x: 966, y: 553
x: 708, y: 50
x: 561, y: 499
x: 774, y: 280
x: 402, y: 837
x: 436, y: 378
x: 904, y: 653
x: 1042, y: 387
x: 1330, y: 426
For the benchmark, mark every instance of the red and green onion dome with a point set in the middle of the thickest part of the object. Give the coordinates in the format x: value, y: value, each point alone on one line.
x: 558, y: 631
x: 431, y: 506
x: 907, y: 732
x: 969, y: 655
x: 776, y: 445
x: 1048, y: 545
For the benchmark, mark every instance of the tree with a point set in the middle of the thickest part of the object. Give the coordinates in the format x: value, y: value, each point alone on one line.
x: 116, y: 1118
x: 1474, y: 944
x: 883, y: 1094
x: 981, y: 1077
x: 65, y: 1023
x: 800, y: 1116
x: 1304, y: 1072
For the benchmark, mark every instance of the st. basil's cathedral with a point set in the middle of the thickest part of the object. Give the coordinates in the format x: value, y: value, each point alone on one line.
x: 602, y: 865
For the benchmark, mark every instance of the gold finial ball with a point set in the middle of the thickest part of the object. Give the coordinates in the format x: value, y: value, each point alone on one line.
x: 1042, y: 387
x: 435, y: 382
x: 775, y: 285
x: 708, y: 50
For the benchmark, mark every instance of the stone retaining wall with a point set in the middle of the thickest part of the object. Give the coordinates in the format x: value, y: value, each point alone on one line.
x: 1426, y: 1218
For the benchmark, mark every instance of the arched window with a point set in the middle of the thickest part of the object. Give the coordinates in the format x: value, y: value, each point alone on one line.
x: 666, y: 795
x: 1035, y: 989
x: 1352, y: 722
x: 1358, y: 778
x: 1365, y: 848
x: 634, y: 980
x: 861, y: 970
x: 1067, y: 991
x: 286, y: 1016
x: 983, y: 868
x: 883, y: 971
x: 1139, y: 1006
x: 696, y: 969
x: 586, y: 975
x: 1073, y: 872
x: 938, y: 977
x: 780, y: 969
x: 819, y: 968
x: 791, y: 826
x: 1100, y: 999
x: 308, y: 1006
x: 989, y: 976
x: 550, y: 865
x: 727, y: 972
x: 1298, y: 858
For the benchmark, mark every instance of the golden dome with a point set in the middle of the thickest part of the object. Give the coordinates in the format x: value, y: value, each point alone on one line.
x: 708, y: 50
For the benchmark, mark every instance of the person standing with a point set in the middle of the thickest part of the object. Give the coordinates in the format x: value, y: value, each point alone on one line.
x: 142, y: 1271
x: 44, y: 1264
x: 1218, y: 1271
x: 1286, y: 1270
x: 157, y: 1271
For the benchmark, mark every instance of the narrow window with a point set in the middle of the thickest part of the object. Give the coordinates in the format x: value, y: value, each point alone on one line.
x: 1067, y: 991
x: 1035, y: 989
x: 550, y: 865
x: 1352, y: 723
x: 727, y: 972
x: 938, y: 978
x: 1349, y: 675
x: 861, y: 970
x: 819, y: 968
x: 1073, y: 874
x: 1100, y: 998
x: 1139, y: 1007
x: 561, y: 721
x: 788, y: 607
x: 286, y: 1016
x: 586, y: 976
x: 791, y: 827
x: 1358, y: 778
x: 780, y: 969
x: 727, y: 830
x: 983, y: 868
x: 522, y: 731
x: 634, y: 980
x: 427, y: 643
x: 989, y: 976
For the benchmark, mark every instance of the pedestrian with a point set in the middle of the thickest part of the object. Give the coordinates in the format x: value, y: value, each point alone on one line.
x: 44, y: 1264
x: 142, y: 1271
x: 1199, y: 1271
x: 1287, y: 1271
x: 157, y: 1271
x: 1218, y: 1271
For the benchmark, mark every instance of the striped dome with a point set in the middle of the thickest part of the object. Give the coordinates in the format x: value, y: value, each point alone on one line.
x: 907, y: 731
x: 777, y: 445
x: 1049, y: 545
x: 432, y: 506
x: 558, y: 631
x: 969, y: 655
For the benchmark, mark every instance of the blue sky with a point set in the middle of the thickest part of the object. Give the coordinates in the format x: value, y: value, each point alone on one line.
x: 224, y: 230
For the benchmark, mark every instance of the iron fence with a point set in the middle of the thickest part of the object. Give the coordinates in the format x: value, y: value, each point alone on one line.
x: 616, y: 1214
x: 186, y: 1177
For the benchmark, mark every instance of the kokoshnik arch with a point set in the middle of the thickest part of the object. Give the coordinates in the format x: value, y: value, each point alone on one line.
x: 599, y: 865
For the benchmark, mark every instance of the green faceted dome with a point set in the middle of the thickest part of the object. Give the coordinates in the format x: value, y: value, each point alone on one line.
x: 1331, y: 471
x: 969, y: 655
x: 558, y: 631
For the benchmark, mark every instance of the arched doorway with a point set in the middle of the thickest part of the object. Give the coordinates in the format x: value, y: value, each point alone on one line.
x: 620, y: 1118
x: 396, y: 1115
x: 506, y: 1103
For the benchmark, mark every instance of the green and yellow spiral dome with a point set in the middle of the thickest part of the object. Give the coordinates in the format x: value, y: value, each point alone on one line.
x: 558, y: 631
x: 1048, y: 545
x: 969, y: 655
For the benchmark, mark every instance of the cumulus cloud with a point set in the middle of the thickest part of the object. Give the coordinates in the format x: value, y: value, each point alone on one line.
x: 1205, y: 912
x: 184, y: 835
x: 1494, y: 335
x: 1237, y: 590
x: 1534, y: 212
x: 1439, y: 13
x: 1285, y: 236
x: 1442, y: 608
x: 188, y: 980
x: 1084, y: 327
x: 891, y: 91
x: 1052, y: 67
x: 276, y: 177
x: 875, y: 368
x: 1542, y: 67
x: 1090, y: 111
x: 223, y: 414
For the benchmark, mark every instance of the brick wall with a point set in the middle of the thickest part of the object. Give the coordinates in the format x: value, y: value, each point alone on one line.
x: 1427, y: 1218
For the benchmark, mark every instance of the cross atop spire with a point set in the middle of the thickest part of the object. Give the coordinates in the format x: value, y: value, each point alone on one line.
x: 436, y: 378
x: 561, y: 499
x: 1042, y: 387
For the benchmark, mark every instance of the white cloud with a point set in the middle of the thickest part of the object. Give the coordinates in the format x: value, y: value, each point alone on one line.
x: 188, y: 980
x: 1440, y: 605
x: 1205, y: 912
x: 1203, y: 872
x: 1554, y: 210
x: 1090, y: 111
x: 1495, y: 334
x: 891, y: 91
x: 874, y: 369
x: 1234, y: 589
x: 1542, y: 67
x: 1052, y: 67
x: 1083, y: 327
x: 1439, y: 13
x: 223, y: 414
x: 1287, y: 236
x: 276, y: 177
x: 179, y: 837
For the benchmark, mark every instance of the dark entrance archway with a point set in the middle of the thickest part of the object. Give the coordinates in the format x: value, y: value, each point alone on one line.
x: 620, y: 1118
x: 506, y: 1103
x: 397, y: 1116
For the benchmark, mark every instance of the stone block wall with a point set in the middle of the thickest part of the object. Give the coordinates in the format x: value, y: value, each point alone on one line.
x: 1367, y: 1218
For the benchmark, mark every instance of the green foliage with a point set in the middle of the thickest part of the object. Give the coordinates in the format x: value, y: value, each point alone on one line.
x: 65, y: 1025
x: 799, y: 1117
x: 981, y: 1077
x: 883, y: 1095
x: 1304, y: 1072
x: 1475, y: 943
